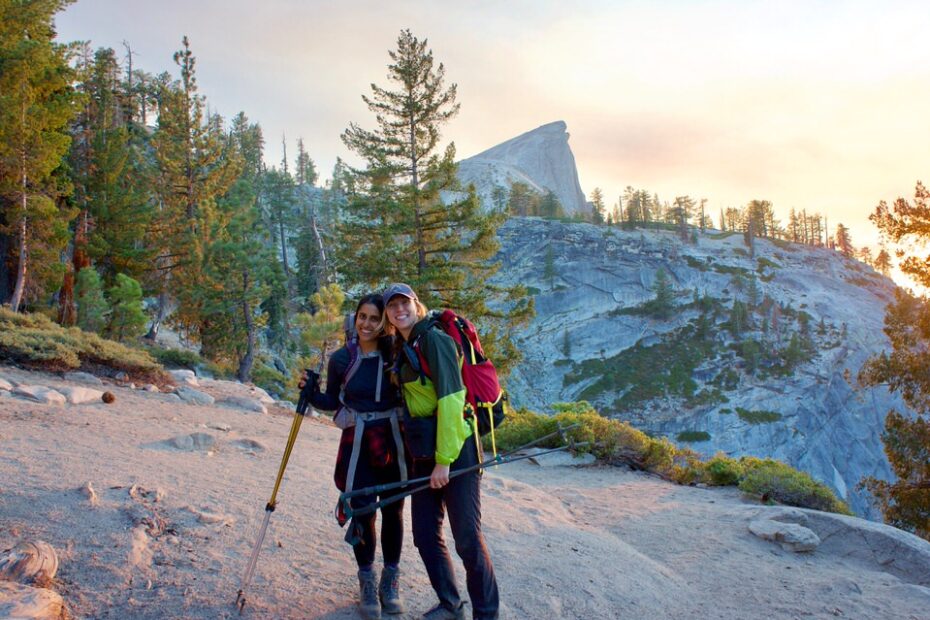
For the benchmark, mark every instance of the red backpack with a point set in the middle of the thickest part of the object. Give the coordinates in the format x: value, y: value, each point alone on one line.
x: 484, y: 397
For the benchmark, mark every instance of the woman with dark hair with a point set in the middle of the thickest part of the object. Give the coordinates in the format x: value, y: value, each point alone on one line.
x: 441, y: 441
x: 371, y: 452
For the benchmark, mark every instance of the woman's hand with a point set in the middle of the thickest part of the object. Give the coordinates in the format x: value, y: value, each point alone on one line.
x: 308, y: 376
x: 439, y: 477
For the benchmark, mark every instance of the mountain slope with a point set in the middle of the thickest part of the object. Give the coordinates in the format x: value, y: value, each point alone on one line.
x: 749, y: 391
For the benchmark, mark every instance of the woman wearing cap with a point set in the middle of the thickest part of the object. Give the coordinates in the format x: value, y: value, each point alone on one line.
x: 440, y: 440
x: 370, y: 450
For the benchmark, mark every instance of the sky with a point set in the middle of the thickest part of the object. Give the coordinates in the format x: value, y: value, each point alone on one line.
x: 813, y: 105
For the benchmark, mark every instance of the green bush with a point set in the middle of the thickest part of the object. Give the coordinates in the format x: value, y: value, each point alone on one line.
x: 269, y: 379
x: 777, y: 481
x: 693, y: 436
x: 35, y: 340
x: 176, y: 358
x: 721, y: 470
x: 758, y: 417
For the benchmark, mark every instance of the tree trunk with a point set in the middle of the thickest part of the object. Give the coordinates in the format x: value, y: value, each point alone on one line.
x: 324, y: 267
x: 415, y: 182
x: 23, y: 249
x: 244, y: 374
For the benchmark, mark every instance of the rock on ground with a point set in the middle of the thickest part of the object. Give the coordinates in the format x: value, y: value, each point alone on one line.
x: 29, y: 562
x: 194, y: 397
x: 26, y: 602
x: 40, y: 394
x: 80, y: 395
x: 246, y: 404
x: 5, y: 385
x: 185, y: 376
x: 791, y: 536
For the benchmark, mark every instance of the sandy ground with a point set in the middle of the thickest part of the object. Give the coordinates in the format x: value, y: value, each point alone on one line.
x: 175, y: 521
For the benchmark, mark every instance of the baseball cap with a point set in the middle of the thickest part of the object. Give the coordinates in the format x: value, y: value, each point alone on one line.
x: 398, y: 288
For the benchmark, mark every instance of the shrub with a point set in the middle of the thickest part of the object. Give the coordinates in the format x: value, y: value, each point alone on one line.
x: 34, y: 340
x: 615, y: 442
x: 269, y: 379
x: 693, y: 436
x: 176, y: 358
x: 758, y: 417
x: 777, y: 481
x: 721, y: 470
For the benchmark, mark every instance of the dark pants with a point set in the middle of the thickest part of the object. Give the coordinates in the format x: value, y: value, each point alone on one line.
x: 462, y: 498
x: 392, y: 523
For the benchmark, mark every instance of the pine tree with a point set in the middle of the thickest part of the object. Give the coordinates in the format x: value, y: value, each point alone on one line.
x: 127, y: 319
x: 193, y: 169
x: 549, y: 270
x: 408, y: 218
x: 550, y: 206
x: 597, y: 206
x: 843, y: 241
x: 883, y: 262
x: 109, y: 173
x: 238, y: 263
x: 36, y: 104
x: 661, y: 306
x: 91, y: 304
x: 681, y: 213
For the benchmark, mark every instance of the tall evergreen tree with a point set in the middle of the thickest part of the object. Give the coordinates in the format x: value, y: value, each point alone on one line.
x: 597, y: 206
x: 883, y: 262
x: 843, y: 241
x: 36, y: 105
x: 194, y: 168
x: 408, y: 218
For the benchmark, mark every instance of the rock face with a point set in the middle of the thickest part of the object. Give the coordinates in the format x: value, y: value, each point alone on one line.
x: 592, y: 339
x: 541, y: 158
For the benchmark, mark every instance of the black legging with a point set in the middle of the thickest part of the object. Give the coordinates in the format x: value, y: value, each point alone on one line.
x: 392, y: 519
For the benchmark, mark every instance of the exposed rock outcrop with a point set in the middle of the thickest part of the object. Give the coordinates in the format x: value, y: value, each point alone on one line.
x: 541, y: 158
x: 592, y: 330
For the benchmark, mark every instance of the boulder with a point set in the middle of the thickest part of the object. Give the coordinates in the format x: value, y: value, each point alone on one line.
x: 26, y: 602
x: 82, y: 377
x: 194, y: 397
x: 252, y: 405
x: 261, y: 395
x: 40, y: 394
x: 791, y: 536
x: 185, y: 376
x: 29, y: 562
x: 5, y: 385
x: 151, y: 387
x: 80, y: 395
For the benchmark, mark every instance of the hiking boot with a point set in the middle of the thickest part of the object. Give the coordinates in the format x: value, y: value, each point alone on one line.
x: 441, y: 613
x: 389, y: 591
x: 368, y: 595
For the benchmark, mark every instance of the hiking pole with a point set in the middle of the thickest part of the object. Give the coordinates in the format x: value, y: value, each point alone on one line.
x: 303, y: 402
x: 500, y: 459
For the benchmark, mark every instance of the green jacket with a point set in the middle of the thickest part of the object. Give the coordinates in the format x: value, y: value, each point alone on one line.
x: 443, y: 393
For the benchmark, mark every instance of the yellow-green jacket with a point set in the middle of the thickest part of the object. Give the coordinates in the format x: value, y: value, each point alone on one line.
x: 442, y: 393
